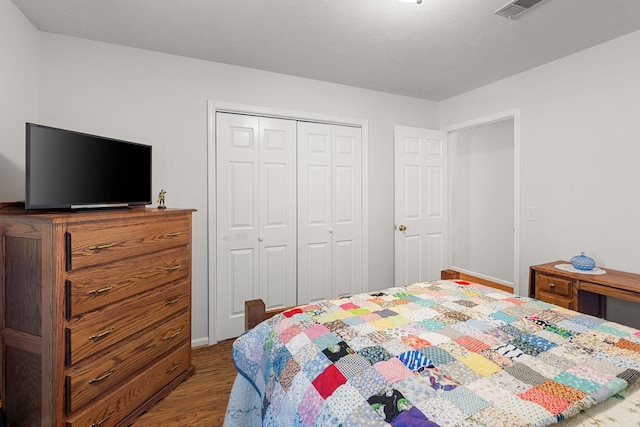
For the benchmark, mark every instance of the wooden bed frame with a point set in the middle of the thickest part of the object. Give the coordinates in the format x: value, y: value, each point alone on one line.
x: 254, y: 310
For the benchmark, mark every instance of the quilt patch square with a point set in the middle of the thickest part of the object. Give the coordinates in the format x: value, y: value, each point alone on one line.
x: 472, y: 344
x: 328, y: 381
x: 553, y: 404
x: 525, y: 374
x: 441, y: 411
x: 326, y: 340
x: 461, y: 372
x: 438, y: 355
x: 296, y: 343
x: 574, y: 381
x: 289, y: 333
x: 288, y: 374
x: 392, y: 370
x: 375, y: 354
x: 337, y: 351
x: 310, y: 406
x: 415, y: 342
x: 412, y: 417
x: 316, y: 331
x: 432, y: 325
x: 415, y: 360
x: 525, y: 409
x: 316, y: 366
x: 503, y: 317
x: 352, y: 364
x: 554, y: 388
x: 349, y: 306
x: 628, y: 345
x: 388, y: 404
x: 353, y: 321
x: 343, y: 400
x: 466, y: 400
x: 480, y: 365
x: 489, y: 390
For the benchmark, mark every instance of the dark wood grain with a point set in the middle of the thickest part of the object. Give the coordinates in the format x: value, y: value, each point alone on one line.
x: 23, y: 269
x: 24, y: 379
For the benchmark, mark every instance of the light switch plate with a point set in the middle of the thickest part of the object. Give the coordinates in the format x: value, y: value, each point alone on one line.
x: 531, y: 213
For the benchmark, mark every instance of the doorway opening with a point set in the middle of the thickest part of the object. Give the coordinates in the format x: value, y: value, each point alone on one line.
x: 484, y: 198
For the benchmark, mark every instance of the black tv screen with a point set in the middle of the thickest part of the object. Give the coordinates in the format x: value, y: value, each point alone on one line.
x: 73, y: 170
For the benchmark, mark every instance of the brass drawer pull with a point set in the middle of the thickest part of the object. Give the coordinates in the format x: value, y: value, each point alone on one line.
x: 173, y: 301
x: 174, y: 268
x: 100, y: 247
x: 172, y: 336
x: 101, y: 335
x: 173, y: 368
x: 102, y: 377
x: 176, y: 234
x: 101, y: 291
x: 104, y: 420
x: 552, y: 285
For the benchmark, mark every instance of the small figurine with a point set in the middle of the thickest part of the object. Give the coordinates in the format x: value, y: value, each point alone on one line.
x: 161, y: 200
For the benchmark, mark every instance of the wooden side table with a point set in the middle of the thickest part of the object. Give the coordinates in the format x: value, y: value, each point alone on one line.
x: 586, y: 293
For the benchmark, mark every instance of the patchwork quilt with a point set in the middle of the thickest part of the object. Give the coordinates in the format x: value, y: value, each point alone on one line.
x: 445, y: 353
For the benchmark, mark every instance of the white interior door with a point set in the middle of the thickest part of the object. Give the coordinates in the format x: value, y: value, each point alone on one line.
x: 329, y: 211
x: 256, y: 216
x: 420, y: 204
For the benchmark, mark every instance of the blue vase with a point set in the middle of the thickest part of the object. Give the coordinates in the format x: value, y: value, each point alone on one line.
x: 583, y: 262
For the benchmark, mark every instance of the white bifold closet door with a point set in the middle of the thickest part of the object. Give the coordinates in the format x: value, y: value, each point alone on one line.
x: 329, y: 211
x: 256, y: 216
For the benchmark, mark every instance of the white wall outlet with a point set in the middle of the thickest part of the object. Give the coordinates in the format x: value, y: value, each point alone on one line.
x: 531, y: 213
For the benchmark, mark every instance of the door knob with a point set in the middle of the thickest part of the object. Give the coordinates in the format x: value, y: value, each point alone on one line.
x: 402, y: 227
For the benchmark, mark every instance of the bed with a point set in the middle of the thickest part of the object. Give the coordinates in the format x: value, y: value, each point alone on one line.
x: 445, y: 353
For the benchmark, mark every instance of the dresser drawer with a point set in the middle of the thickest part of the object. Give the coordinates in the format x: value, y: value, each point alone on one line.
x: 114, y: 407
x: 98, y: 377
x: 97, y: 243
x: 93, y: 288
x: 90, y: 334
x: 555, y: 299
x: 554, y: 285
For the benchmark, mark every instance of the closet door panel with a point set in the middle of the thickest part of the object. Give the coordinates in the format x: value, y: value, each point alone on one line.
x: 314, y: 212
x: 237, y: 220
x: 347, y: 209
x: 278, y: 205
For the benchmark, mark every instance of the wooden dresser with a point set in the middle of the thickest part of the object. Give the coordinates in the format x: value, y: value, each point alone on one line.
x: 581, y: 292
x: 96, y: 313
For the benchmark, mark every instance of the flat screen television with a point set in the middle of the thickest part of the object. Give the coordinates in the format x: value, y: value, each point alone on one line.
x: 73, y: 170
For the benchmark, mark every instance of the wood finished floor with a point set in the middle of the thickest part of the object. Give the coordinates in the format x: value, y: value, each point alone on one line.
x: 202, y: 399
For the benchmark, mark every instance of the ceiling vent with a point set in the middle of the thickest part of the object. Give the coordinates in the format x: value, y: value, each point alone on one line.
x: 516, y: 8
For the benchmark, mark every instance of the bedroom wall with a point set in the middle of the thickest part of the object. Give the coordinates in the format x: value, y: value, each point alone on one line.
x: 162, y: 99
x: 18, y: 102
x: 580, y: 150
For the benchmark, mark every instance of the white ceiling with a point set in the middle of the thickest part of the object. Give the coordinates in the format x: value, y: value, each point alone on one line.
x: 434, y: 50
